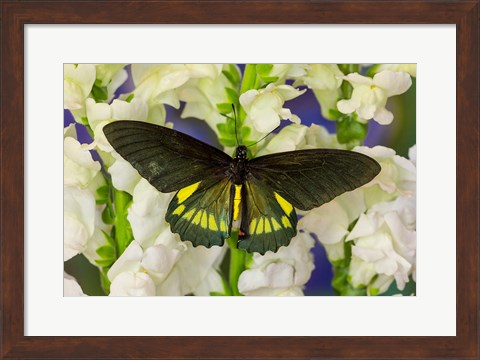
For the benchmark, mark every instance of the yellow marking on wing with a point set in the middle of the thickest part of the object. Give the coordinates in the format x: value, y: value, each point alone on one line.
x: 275, y: 224
x: 286, y: 222
x: 204, y: 222
x: 189, y: 214
x: 179, y: 210
x: 186, y: 192
x: 259, y: 226
x: 236, y: 201
x: 223, y: 226
x: 284, y: 204
x: 198, y: 217
x: 268, y: 227
x: 212, y: 225
x: 253, y: 224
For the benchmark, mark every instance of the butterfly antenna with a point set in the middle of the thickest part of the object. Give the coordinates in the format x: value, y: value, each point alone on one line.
x: 235, y: 119
x: 263, y: 138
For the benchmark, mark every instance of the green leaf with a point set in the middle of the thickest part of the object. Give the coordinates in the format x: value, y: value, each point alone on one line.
x: 222, y: 127
x: 108, y: 215
x: 106, y: 252
x: 228, y: 141
x: 232, y: 95
x: 245, y: 132
x: 108, y: 238
x: 235, y: 73
x: 104, y: 262
x: 100, y: 93
x: 103, y: 192
x: 269, y: 79
x: 224, y: 108
x: 130, y: 97
x: 264, y: 69
x: 84, y: 120
x: 104, y: 280
x: 350, y: 131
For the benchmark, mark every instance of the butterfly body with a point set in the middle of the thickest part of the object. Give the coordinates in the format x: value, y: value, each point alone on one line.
x: 239, y: 166
x: 214, y: 190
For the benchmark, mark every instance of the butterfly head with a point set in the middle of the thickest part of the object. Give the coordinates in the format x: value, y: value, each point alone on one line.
x: 241, y: 152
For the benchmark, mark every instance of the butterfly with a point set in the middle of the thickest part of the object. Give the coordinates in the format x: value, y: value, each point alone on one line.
x: 214, y: 190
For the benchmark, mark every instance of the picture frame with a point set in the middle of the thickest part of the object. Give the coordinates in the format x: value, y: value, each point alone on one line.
x: 14, y: 15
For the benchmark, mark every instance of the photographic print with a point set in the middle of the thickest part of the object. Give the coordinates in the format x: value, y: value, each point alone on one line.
x: 239, y: 179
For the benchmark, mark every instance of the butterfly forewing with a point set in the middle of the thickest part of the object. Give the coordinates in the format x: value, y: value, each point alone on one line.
x: 168, y: 159
x: 310, y: 178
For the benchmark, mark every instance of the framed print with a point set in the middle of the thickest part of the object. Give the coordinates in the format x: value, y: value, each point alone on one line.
x: 42, y: 41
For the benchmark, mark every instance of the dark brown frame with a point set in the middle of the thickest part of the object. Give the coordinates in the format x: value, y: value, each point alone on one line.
x: 15, y: 14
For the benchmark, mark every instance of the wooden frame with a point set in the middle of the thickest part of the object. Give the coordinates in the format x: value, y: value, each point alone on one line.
x: 14, y: 15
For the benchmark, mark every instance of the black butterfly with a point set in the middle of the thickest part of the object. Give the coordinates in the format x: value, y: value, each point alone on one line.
x: 214, y: 189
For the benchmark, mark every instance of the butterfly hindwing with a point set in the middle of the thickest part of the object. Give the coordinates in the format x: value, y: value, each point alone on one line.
x: 268, y: 220
x: 201, y: 212
x: 310, y: 178
x: 167, y: 159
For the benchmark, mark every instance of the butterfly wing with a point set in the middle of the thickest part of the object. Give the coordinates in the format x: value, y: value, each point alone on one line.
x: 201, y: 213
x: 279, y: 183
x: 168, y: 159
x: 310, y: 178
x: 268, y: 220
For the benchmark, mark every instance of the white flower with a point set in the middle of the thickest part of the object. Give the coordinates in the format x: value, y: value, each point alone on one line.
x: 319, y: 137
x: 79, y: 168
x: 322, y: 77
x: 282, y: 71
x: 157, y: 83
x: 264, y: 107
x: 71, y: 286
x: 408, y: 68
x: 173, y: 267
x: 282, y: 273
x: 100, y: 114
x: 192, y: 272
x: 331, y: 221
x: 369, y: 96
x: 412, y: 154
x: 397, y: 176
x: 201, y: 96
x: 384, y: 247
x: 288, y: 139
x: 78, y: 220
x: 325, y: 81
x: 298, y: 137
x: 105, y: 73
x: 78, y: 81
x: 132, y: 284
x: 147, y: 212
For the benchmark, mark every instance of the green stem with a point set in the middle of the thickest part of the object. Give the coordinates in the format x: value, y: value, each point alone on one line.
x: 249, y: 82
x: 123, y: 231
x: 237, y: 263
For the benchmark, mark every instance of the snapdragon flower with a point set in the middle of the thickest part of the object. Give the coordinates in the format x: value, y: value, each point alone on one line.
x: 384, y: 246
x: 383, y: 215
x: 158, y: 83
x: 283, y: 273
x: 77, y: 84
x: 408, y: 68
x: 201, y: 96
x: 163, y: 270
x: 369, y: 96
x: 71, y: 286
x: 265, y: 109
x: 82, y: 177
